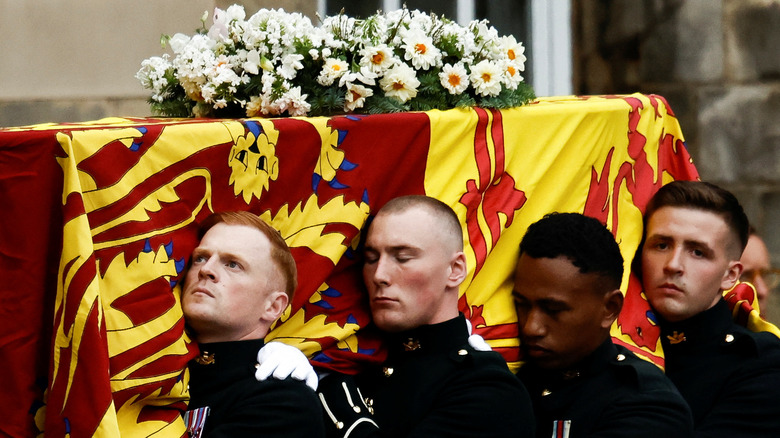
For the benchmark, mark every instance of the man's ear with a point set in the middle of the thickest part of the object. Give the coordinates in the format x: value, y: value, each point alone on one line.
x: 613, y: 303
x: 275, y: 304
x: 732, y: 274
x: 458, y: 269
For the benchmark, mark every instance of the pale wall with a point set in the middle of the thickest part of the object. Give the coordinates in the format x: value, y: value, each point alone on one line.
x: 72, y: 61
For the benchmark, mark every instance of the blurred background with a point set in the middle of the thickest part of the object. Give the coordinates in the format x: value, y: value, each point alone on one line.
x: 717, y: 62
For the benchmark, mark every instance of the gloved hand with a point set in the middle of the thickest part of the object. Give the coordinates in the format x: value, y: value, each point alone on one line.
x: 283, y: 361
x: 477, y: 342
x: 345, y: 407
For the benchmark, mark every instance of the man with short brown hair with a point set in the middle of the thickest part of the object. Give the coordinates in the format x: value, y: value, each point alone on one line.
x: 694, y: 235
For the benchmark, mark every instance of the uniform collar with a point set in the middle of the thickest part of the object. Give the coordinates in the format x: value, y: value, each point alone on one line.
x: 592, y: 364
x: 707, y: 326
x: 441, y: 337
x: 223, y: 353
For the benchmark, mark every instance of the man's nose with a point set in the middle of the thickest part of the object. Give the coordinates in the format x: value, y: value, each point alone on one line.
x: 673, y: 262
x: 533, y: 326
x: 381, y: 275
x: 207, y: 269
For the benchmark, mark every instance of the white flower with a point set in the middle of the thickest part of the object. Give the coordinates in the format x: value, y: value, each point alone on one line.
x: 333, y: 69
x: 294, y: 102
x: 252, y: 64
x: 377, y: 58
x: 290, y: 65
x: 356, y: 97
x: 421, y: 51
x: 486, y: 78
x: 454, y: 78
x: 364, y: 75
x: 178, y: 42
x: 221, y: 68
x: 511, y: 76
x: 515, y: 52
x: 400, y: 83
x: 153, y: 75
x: 235, y: 13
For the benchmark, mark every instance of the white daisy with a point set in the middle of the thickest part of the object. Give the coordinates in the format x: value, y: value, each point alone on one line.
x: 356, y: 96
x: 377, y: 58
x: 333, y: 69
x: 515, y: 52
x: 512, y: 76
x: 400, y: 82
x: 486, y: 78
x: 454, y: 78
x: 420, y: 50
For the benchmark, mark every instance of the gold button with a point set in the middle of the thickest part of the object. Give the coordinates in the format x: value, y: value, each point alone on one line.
x: 388, y: 371
x: 462, y: 352
x: 729, y: 338
x: 621, y: 357
x: 546, y: 392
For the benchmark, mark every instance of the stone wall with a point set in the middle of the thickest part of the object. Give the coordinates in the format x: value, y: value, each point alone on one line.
x: 718, y: 64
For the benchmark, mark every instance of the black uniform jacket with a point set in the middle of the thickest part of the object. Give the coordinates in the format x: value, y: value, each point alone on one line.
x: 434, y: 384
x: 612, y: 393
x: 729, y: 375
x: 240, y: 406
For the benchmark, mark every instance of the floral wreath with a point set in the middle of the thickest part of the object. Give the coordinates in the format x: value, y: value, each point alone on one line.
x: 277, y: 63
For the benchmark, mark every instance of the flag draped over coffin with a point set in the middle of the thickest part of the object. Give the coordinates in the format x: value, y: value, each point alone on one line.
x: 134, y: 190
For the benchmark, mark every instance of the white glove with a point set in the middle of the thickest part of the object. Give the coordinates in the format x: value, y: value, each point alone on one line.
x: 477, y: 342
x: 283, y: 361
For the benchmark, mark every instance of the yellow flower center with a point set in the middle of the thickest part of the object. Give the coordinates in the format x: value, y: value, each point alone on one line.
x: 378, y: 58
x: 511, y: 70
x: 420, y: 48
x: 398, y: 86
x: 355, y: 95
x: 511, y: 54
x: 336, y: 67
x: 486, y: 77
x: 454, y: 80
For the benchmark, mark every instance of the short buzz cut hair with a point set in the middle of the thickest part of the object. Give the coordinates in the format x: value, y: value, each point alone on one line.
x: 280, y: 252
x: 699, y: 195
x: 450, y: 224
x: 585, y: 241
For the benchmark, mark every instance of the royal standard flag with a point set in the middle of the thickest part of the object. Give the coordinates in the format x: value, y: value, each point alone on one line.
x: 103, y: 217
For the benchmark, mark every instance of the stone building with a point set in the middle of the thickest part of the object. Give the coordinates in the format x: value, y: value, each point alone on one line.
x: 716, y: 61
x: 718, y: 64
